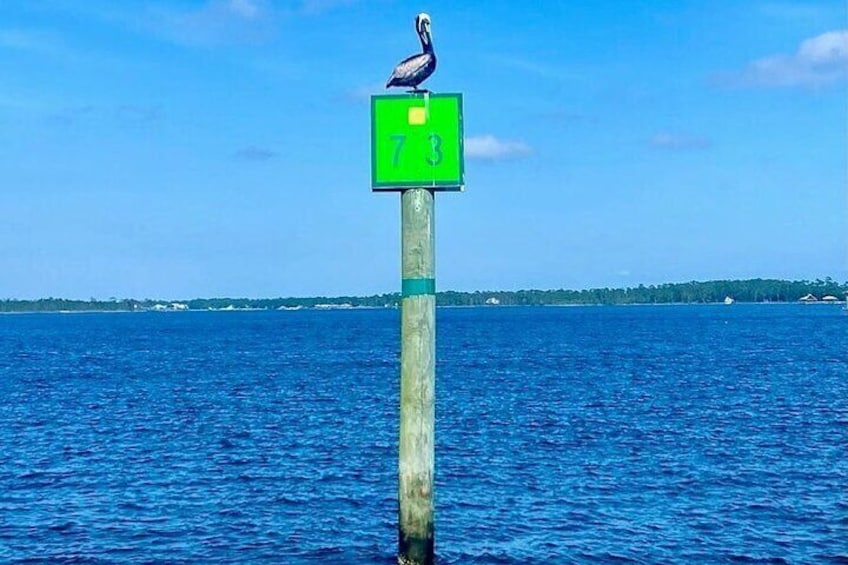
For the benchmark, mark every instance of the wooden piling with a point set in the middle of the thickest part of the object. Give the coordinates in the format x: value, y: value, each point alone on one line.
x: 418, y: 376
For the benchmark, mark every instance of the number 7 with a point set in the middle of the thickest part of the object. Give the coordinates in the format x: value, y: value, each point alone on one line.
x: 398, y: 138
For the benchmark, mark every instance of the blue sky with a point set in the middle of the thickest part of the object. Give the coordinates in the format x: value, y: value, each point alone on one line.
x: 175, y: 149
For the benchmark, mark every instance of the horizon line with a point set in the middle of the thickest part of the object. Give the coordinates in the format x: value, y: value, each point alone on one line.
x: 827, y: 280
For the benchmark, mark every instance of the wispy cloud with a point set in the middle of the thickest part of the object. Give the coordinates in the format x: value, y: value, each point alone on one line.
x: 321, y: 6
x: 70, y: 115
x: 228, y: 21
x: 491, y: 148
x: 568, y: 118
x: 819, y: 61
x: 678, y: 141
x: 795, y: 11
x: 254, y: 153
x: 363, y: 93
x: 56, y: 47
x: 538, y: 68
x: 139, y: 113
x: 37, y: 42
x: 124, y: 114
x: 248, y: 9
x: 201, y: 23
x: 19, y: 39
x: 215, y: 22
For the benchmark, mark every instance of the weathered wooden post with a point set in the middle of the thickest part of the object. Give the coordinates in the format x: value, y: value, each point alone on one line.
x: 417, y: 377
x: 416, y: 144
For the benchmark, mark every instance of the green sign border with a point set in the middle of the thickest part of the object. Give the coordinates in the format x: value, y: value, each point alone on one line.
x: 437, y: 186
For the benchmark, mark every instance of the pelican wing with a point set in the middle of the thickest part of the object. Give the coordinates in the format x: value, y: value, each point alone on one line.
x: 410, y: 68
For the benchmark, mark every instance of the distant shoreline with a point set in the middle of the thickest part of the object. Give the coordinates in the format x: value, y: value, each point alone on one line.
x: 440, y: 307
x: 750, y: 291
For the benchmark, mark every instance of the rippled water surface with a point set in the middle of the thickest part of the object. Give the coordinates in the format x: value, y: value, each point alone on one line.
x: 609, y: 434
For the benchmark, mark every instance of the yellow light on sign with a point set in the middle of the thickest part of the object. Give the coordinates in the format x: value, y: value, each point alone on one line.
x: 417, y: 116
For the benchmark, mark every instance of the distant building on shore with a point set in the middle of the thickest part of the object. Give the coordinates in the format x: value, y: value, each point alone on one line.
x: 172, y: 307
x: 808, y: 299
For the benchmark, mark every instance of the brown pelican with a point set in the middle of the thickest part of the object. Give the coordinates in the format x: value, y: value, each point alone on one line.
x: 414, y: 70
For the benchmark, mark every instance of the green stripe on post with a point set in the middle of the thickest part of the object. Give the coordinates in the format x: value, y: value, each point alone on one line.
x: 417, y: 287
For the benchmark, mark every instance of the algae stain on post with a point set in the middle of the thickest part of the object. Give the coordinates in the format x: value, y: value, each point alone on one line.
x: 418, y: 375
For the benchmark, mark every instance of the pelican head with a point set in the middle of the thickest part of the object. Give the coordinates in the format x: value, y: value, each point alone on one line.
x: 422, y: 24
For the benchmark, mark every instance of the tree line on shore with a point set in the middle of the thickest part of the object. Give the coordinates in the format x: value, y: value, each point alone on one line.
x: 752, y: 290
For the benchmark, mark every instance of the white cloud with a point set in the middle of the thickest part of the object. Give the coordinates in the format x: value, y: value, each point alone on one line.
x: 492, y: 148
x: 817, y: 62
x: 825, y: 49
x: 678, y: 141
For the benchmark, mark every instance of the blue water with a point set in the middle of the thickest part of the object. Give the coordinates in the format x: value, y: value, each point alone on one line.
x: 595, y: 434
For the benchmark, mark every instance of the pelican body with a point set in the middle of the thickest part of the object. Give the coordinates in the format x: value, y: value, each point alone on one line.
x: 414, y: 70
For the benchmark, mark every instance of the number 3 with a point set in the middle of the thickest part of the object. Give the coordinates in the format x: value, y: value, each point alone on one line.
x: 436, y: 147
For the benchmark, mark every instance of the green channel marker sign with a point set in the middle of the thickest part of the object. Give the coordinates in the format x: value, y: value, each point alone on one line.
x: 416, y: 142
